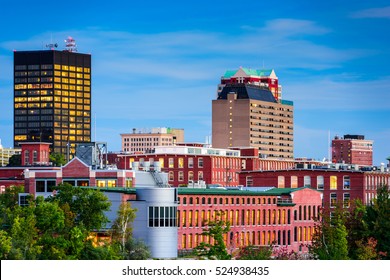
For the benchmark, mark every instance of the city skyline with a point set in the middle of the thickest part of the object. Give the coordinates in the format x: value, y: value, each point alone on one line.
x: 159, y: 65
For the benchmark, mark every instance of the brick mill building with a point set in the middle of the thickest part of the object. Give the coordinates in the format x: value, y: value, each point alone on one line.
x: 336, y: 184
x: 198, y: 162
x: 284, y: 217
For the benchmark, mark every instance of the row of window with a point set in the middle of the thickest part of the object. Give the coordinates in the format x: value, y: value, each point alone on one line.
x: 307, y: 182
x: 47, y: 185
x: 227, y: 201
x: 50, y: 67
x: 334, y: 200
x: 162, y: 216
x: 198, y: 218
x: 257, y: 238
x: 56, y: 86
x: 42, y: 93
x: 44, y: 156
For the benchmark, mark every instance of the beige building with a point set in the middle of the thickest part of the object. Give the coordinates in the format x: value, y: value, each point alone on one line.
x: 143, y: 141
x: 248, y: 115
x: 6, y: 153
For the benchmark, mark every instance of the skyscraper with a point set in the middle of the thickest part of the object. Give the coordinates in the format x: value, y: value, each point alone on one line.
x: 249, y: 112
x: 52, y: 98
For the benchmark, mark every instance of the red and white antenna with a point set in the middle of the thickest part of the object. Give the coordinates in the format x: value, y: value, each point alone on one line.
x: 70, y: 44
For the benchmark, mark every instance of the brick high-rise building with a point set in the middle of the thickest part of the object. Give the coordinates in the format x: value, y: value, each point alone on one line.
x: 52, y: 98
x: 249, y: 112
x: 352, y: 149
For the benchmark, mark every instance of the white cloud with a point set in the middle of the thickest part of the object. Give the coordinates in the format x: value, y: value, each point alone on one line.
x: 383, y: 12
x: 327, y: 94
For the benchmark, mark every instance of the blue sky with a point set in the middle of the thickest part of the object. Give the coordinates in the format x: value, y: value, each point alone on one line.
x: 158, y: 63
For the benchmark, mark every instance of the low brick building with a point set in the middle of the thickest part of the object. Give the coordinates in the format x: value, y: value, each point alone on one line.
x: 284, y: 217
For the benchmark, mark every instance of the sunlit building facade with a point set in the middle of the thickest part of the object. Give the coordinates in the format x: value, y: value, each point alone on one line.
x: 52, y: 98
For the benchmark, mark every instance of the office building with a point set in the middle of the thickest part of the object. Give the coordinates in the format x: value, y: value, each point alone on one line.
x: 250, y: 112
x: 352, y: 149
x: 144, y: 140
x: 6, y: 154
x: 52, y: 98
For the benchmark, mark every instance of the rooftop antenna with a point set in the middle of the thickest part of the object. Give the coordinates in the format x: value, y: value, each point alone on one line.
x: 51, y: 46
x: 70, y: 44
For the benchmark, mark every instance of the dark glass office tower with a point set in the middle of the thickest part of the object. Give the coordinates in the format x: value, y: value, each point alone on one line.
x: 52, y: 98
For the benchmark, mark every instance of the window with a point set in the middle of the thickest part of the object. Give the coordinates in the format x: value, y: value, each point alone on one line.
x: 307, y: 181
x: 333, y: 182
x: 333, y: 199
x: 249, y: 181
x: 171, y: 176
x: 181, y: 176
x: 280, y: 181
x: 190, y: 175
x: 181, y: 162
x: 170, y: 163
x: 200, y: 175
x: 35, y: 156
x: 45, y: 185
x: 346, y: 200
x: 346, y: 183
x: 200, y: 162
x: 320, y: 182
x: 190, y: 162
x: 294, y: 182
x: 23, y: 199
x: 27, y: 157
x: 162, y: 216
x: 103, y: 183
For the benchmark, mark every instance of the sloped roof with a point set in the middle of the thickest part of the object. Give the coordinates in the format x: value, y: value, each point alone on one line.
x: 248, y: 71
x: 248, y: 92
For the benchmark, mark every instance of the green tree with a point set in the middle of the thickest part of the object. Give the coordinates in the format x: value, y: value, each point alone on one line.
x: 215, y: 230
x: 255, y: 253
x: 10, y: 198
x: 121, y: 228
x: 15, y: 160
x: 86, y: 205
x: 378, y: 221
x: 136, y: 250
x: 330, y: 237
x: 5, y: 245
x: 361, y: 246
x: 24, y: 234
x: 57, y: 159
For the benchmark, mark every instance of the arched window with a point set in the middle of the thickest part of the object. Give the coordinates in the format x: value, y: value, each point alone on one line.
x: 27, y: 157
x: 35, y: 156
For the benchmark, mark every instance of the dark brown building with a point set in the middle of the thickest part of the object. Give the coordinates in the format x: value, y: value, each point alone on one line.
x: 52, y: 98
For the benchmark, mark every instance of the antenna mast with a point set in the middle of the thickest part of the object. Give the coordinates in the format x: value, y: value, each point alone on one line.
x: 70, y: 45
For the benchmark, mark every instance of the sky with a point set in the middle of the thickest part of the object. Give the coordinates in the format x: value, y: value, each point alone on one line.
x: 158, y: 63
